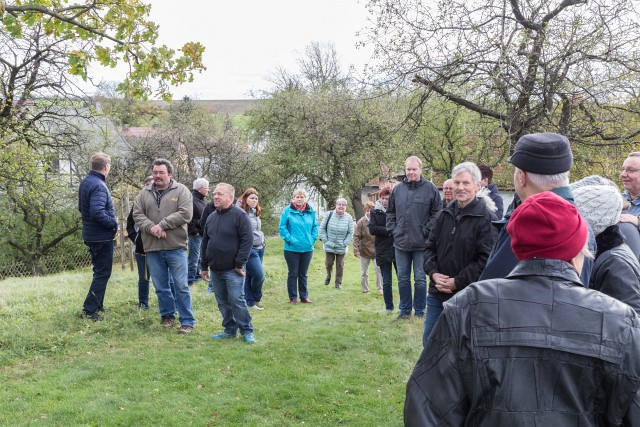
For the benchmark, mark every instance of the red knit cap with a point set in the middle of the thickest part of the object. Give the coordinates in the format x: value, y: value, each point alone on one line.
x: 547, y: 226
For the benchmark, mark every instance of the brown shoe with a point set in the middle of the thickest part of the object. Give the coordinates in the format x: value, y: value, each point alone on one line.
x: 185, y: 329
x: 293, y: 301
x: 168, y: 321
x: 306, y: 300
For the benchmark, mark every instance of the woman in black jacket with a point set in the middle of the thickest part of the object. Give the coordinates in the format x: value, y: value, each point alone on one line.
x: 385, y: 254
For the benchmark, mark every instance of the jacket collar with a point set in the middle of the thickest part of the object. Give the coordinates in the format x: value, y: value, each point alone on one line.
x: 98, y: 174
x: 546, y: 267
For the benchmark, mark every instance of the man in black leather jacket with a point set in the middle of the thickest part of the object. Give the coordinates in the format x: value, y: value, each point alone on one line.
x: 535, y: 348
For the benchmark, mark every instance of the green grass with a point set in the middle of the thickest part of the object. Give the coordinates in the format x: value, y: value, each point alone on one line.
x: 338, y: 361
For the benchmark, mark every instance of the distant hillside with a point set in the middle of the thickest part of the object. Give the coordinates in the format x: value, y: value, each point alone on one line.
x: 228, y: 106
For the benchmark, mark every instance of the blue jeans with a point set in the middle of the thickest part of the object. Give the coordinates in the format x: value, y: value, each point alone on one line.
x: 298, y: 265
x: 102, y: 260
x: 195, y: 242
x: 387, y: 284
x: 228, y: 287
x: 166, y: 264
x: 434, y: 310
x: 255, y: 277
x: 143, y: 280
x: 404, y: 261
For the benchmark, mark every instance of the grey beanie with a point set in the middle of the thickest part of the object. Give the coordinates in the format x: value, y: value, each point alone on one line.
x: 600, y: 205
x: 590, y: 180
x: 542, y: 153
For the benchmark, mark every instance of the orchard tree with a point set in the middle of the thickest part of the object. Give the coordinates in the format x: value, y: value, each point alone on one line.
x: 569, y: 66
x: 316, y: 129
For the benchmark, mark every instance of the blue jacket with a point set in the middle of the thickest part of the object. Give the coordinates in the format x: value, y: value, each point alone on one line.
x: 95, y: 204
x: 299, y: 230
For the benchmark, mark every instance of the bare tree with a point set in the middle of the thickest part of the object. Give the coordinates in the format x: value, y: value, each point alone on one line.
x: 571, y: 66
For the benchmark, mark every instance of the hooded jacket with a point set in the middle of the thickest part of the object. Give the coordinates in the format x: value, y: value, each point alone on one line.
x: 534, y: 349
x: 173, y: 214
x: 412, y: 206
x: 298, y: 229
x: 363, y: 241
x: 384, y: 238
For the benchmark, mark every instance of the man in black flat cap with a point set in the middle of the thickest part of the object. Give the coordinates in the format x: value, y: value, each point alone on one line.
x: 542, y: 162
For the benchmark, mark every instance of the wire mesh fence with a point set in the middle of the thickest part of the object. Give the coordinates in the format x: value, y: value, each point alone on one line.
x: 123, y: 258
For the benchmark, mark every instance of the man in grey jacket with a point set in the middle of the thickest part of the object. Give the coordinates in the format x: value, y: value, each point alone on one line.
x: 412, y: 205
x: 162, y: 211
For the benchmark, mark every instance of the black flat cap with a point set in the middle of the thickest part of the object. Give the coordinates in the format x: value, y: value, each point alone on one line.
x: 544, y: 153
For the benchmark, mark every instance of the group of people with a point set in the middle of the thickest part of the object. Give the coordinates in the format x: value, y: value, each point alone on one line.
x: 178, y: 239
x: 529, y: 318
x: 532, y: 319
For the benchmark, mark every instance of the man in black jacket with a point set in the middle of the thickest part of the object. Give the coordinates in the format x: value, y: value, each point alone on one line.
x: 199, y: 192
x: 226, y: 244
x: 535, y: 348
x: 412, y: 205
x: 459, y: 243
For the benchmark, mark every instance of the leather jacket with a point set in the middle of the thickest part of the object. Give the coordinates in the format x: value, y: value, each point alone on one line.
x: 534, y: 349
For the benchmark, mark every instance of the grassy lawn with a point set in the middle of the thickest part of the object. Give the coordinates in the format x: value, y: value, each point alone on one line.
x: 338, y: 361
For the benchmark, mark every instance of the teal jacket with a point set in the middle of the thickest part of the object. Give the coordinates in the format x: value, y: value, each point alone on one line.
x: 299, y: 230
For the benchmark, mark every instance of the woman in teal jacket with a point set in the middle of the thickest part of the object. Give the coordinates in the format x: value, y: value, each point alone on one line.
x: 299, y: 230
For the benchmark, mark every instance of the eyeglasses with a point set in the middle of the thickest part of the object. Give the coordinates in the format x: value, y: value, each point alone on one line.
x: 629, y: 170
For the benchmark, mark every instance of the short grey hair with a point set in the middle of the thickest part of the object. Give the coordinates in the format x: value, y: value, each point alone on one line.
x: 200, y: 183
x: 414, y: 159
x: 548, y: 182
x: 470, y: 167
x: 343, y: 200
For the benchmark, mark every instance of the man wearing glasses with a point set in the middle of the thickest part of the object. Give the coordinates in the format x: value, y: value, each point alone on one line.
x: 630, y: 218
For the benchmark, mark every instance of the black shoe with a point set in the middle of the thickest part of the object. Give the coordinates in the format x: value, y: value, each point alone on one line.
x: 327, y: 281
x: 93, y: 316
x: 403, y: 316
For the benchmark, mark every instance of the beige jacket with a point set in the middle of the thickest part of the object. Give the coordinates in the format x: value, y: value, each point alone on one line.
x: 173, y: 215
x: 363, y: 241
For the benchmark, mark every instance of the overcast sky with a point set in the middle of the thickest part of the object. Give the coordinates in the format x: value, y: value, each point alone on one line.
x: 247, y: 40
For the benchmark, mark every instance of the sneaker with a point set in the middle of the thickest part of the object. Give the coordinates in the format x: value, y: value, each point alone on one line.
x: 168, y: 321
x: 93, y: 316
x: 338, y: 286
x: 365, y: 292
x: 248, y: 338
x: 256, y: 307
x: 305, y: 300
x: 380, y: 292
x: 419, y: 315
x: 293, y: 301
x: 403, y: 316
x: 185, y: 329
x: 222, y: 336
x: 143, y: 306
x: 389, y: 311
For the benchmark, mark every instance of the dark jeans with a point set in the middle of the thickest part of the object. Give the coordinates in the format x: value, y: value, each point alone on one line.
x: 143, y: 280
x: 255, y: 277
x: 298, y: 265
x: 434, y: 310
x: 329, y: 260
x: 387, y: 283
x: 102, y: 260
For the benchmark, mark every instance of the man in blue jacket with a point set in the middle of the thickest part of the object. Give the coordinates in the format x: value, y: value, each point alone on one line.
x: 99, y: 227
